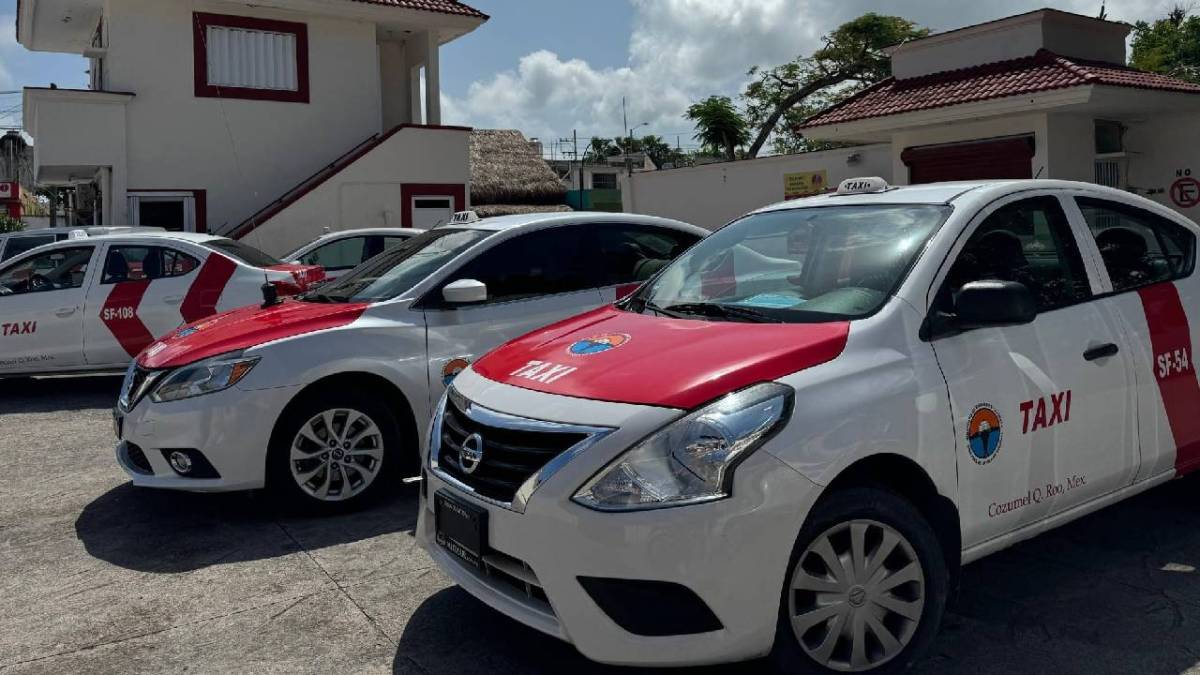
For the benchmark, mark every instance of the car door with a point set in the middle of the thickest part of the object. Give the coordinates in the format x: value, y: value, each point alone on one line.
x: 533, y: 279
x: 1148, y: 263
x: 1043, y: 411
x: 136, y: 299
x: 627, y: 254
x: 41, y: 310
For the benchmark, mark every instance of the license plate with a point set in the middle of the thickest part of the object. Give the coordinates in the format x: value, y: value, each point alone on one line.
x: 461, y: 528
x: 118, y: 423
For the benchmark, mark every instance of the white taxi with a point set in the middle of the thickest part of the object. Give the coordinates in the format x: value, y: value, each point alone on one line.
x: 341, y: 251
x: 321, y: 396
x: 92, y: 303
x: 790, y: 440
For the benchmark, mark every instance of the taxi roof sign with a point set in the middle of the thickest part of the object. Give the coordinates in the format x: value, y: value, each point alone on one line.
x: 464, y: 217
x: 77, y: 234
x: 864, y: 185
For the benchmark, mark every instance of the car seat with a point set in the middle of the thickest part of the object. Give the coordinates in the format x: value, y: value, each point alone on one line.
x: 1124, y: 253
x: 152, y: 267
x: 116, y: 269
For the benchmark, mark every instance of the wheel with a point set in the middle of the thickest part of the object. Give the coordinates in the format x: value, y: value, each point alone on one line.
x: 865, y: 589
x: 333, y: 452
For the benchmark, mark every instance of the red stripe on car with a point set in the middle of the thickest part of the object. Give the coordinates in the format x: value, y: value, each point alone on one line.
x: 120, y: 315
x: 1171, y: 367
x: 201, y: 299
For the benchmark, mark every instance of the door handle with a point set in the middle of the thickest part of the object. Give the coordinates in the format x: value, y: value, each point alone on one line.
x: 65, y: 311
x: 173, y: 300
x: 1101, y: 351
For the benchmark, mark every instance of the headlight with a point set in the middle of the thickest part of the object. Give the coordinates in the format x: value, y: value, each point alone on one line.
x: 203, y: 377
x: 692, y: 459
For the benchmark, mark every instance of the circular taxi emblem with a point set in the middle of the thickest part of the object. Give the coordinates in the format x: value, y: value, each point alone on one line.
x: 452, y: 368
x: 598, y: 343
x: 983, y: 433
x: 471, y: 454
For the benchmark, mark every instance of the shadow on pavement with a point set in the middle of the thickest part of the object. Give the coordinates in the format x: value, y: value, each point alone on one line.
x: 452, y: 632
x: 55, y: 394
x: 1115, y: 592
x: 162, y: 531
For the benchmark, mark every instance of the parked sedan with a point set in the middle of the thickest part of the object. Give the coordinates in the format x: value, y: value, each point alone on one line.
x: 93, y: 303
x: 14, y: 244
x: 340, y: 252
x: 320, y: 396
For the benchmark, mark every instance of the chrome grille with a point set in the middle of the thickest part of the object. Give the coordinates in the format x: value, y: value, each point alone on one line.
x: 509, y: 456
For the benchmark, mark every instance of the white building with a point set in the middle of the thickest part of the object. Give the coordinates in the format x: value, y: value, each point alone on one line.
x: 281, y: 117
x: 1044, y: 94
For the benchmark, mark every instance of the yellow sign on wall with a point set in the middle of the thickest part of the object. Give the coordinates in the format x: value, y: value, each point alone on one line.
x: 804, y: 183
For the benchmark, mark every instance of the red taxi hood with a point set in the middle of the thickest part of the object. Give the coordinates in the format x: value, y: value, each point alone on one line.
x: 245, y: 327
x: 300, y: 277
x: 613, y: 355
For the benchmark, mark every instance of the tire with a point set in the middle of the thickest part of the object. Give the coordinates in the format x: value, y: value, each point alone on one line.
x: 824, y: 602
x: 343, y: 473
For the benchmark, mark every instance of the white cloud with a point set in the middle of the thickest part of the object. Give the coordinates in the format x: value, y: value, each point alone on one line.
x: 683, y: 50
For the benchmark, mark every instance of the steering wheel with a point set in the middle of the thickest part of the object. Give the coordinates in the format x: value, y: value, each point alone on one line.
x: 39, y: 282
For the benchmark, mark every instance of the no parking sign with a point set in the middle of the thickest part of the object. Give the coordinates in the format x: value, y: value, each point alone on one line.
x: 1185, y: 192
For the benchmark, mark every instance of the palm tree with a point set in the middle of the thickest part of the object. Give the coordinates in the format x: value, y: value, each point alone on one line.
x: 599, y: 149
x: 658, y: 149
x: 719, y: 125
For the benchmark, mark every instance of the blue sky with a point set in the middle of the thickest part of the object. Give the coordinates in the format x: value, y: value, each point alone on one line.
x: 547, y: 67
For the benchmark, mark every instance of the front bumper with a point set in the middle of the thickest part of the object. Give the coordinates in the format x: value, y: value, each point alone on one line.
x: 230, y: 428
x: 732, y: 554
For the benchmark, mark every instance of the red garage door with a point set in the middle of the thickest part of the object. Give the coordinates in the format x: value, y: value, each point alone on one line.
x: 996, y: 158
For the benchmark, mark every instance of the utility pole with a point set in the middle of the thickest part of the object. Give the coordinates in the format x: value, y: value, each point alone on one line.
x: 579, y: 184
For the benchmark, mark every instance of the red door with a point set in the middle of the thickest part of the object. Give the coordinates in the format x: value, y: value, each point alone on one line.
x: 977, y: 160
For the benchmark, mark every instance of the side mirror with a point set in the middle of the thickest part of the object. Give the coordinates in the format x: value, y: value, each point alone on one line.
x: 994, y: 303
x: 464, y: 291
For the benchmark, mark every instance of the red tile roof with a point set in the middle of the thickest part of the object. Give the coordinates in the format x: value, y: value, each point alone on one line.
x: 442, y: 6
x: 1043, y: 71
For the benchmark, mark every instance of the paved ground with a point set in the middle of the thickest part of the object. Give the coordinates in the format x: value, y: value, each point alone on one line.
x: 96, y: 576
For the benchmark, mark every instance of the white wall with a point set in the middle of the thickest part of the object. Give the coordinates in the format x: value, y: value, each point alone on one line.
x: 245, y: 153
x: 368, y: 192
x: 1157, y: 148
x: 714, y: 194
x: 1012, y: 38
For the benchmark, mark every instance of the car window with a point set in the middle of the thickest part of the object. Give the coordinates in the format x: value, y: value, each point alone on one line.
x: 1030, y: 242
x: 389, y: 242
x: 341, y: 254
x: 543, y: 262
x: 239, y: 251
x: 629, y: 253
x: 18, y: 245
x: 400, y: 268
x: 1138, y: 247
x: 137, y: 263
x: 798, y: 265
x: 60, y: 269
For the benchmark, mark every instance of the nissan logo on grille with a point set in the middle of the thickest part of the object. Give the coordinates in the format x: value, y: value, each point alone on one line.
x: 471, y: 454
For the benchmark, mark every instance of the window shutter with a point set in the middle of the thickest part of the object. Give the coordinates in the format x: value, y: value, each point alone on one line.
x: 251, y: 59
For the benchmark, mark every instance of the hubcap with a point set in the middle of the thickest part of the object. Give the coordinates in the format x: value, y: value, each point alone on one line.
x: 336, y: 454
x: 856, y: 596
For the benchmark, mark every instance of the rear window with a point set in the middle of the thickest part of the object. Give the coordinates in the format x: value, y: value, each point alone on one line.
x: 21, y: 243
x: 239, y: 251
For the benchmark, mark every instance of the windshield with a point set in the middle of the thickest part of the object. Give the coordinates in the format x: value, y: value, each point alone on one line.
x: 239, y: 251
x: 399, y: 268
x: 801, y: 265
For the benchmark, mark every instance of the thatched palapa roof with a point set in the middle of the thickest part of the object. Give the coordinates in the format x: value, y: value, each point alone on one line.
x: 507, y: 171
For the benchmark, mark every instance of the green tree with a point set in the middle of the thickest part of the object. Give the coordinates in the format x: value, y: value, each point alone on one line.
x: 1170, y: 45
x: 600, y: 148
x: 658, y: 149
x: 10, y: 224
x: 851, y: 59
x: 719, y: 125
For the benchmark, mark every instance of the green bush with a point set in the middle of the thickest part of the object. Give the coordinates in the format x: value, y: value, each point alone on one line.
x: 10, y: 224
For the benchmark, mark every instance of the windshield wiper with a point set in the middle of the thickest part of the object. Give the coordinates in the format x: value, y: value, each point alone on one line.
x: 317, y: 296
x: 719, y: 311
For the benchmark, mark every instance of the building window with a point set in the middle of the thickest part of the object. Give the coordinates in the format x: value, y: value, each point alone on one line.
x: 173, y: 210
x: 604, y: 181
x: 258, y: 59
